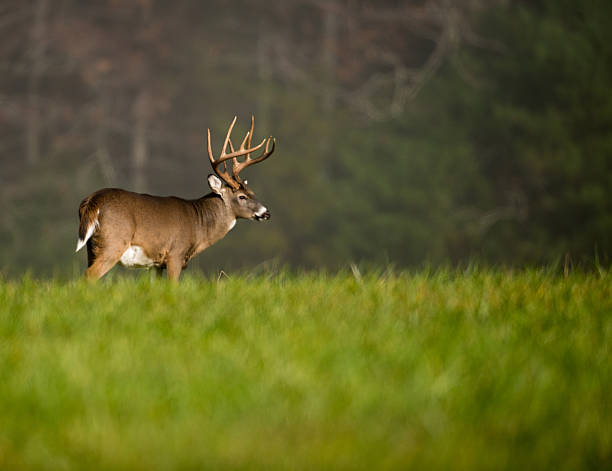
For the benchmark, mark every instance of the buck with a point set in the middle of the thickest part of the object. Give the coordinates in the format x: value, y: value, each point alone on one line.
x: 144, y: 231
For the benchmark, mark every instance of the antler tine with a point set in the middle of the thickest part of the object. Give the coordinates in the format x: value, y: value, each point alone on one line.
x: 250, y: 134
x: 227, y: 136
x: 247, y: 140
x: 239, y: 166
x: 240, y: 152
x: 215, y: 165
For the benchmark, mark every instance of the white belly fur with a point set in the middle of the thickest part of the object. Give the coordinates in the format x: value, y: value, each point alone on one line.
x: 134, y: 257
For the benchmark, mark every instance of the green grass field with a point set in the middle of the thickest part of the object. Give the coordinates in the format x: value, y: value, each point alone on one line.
x: 434, y: 370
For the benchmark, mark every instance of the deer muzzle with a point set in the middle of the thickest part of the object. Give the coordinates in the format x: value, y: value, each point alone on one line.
x: 262, y: 214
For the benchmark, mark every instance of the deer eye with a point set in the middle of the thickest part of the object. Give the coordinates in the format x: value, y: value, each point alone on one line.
x: 242, y: 197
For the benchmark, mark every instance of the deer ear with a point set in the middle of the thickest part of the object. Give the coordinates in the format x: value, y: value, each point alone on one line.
x: 215, y: 183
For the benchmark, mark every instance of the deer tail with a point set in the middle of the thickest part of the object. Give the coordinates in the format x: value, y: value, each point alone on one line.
x: 88, y: 215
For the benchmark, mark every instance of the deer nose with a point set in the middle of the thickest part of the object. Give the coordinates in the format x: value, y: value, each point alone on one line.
x: 263, y: 213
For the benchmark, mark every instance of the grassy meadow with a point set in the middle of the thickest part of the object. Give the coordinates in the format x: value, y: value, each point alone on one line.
x: 484, y: 369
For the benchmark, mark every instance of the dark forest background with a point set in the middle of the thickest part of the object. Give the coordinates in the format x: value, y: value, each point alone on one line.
x: 409, y: 132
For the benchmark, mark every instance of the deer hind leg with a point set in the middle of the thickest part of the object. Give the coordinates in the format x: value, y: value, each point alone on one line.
x: 103, y: 260
x: 91, y: 257
x: 100, y: 267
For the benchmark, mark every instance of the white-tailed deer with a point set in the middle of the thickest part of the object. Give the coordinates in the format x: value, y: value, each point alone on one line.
x: 139, y: 230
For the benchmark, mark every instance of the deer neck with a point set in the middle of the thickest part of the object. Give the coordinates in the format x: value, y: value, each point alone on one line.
x: 214, y: 218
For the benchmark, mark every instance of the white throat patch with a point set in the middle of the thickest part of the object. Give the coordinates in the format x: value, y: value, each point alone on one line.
x: 231, y: 226
x: 134, y: 257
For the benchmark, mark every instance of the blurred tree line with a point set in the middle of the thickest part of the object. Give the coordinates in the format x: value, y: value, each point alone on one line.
x: 408, y: 131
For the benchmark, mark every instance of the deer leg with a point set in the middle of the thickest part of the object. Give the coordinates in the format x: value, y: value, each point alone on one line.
x: 99, y: 268
x: 90, y: 254
x: 104, y: 261
x: 174, y: 267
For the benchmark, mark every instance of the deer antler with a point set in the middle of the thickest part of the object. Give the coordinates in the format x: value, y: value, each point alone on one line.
x: 239, y: 166
x: 232, y: 180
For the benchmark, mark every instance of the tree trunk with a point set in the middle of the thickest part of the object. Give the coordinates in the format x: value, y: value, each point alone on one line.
x: 263, y: 74
x: 140, y: 145
x: 330, y: 29
x: 37, y: 52
x: 101, y: 141
x: 328, y: 79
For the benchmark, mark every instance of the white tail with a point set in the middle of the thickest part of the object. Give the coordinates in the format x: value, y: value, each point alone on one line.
x: 90, y: 230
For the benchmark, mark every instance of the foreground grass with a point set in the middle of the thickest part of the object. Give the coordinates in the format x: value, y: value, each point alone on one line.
x: 489, y: 370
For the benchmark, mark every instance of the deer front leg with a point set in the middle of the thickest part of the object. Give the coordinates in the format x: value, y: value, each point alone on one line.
x: 174, y: 267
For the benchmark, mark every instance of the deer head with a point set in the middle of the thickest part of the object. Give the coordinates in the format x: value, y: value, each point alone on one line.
x: 228, y: 185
